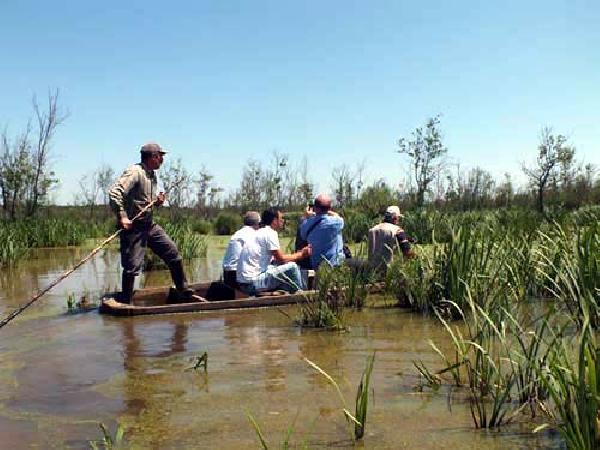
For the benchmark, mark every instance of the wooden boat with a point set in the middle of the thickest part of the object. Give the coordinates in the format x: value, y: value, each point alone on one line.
x: 215, y: 295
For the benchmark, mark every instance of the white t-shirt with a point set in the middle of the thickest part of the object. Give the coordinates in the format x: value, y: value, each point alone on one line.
x: 256, y: 254
x: 234, y: 248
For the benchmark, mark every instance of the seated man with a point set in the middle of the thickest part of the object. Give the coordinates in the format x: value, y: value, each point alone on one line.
x: 236, y: 243
x: 385, y: 239
x: 256, y: 271
x: 323, y: 231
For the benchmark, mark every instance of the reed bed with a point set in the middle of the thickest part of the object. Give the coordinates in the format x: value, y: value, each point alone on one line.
x: 338, y: 288
x: 189, y: 243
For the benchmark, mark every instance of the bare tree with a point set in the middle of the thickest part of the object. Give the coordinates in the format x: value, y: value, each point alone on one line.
x: 249, y: 194
x: 105, y: 179
x: 342, y: 185
x: 177, y: 182
x: 203, y: 189
x: 43, y: 178
x: 553, y: 152
x: 89, y: 191
x: 426, y: 152
x: 16, y: 171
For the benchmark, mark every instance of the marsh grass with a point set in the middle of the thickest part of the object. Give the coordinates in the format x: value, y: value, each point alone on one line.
x: 573, y: 382
x: 569, y: 265
x: 189, y: 243
x: 362, y: 399
x: 287, y: 440
x: 200, y: 362
x: 359, y: 419
x: 109, y: 441
x: 338, y: 288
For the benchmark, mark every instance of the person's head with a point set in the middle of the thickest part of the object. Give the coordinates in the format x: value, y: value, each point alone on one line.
x: 322, y: 203
x: 392, y: 215
x: 272, y: 217
x: 252, y: 219
x: 152, y: 155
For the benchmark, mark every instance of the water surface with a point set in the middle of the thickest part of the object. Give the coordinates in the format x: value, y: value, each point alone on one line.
x: 61, y: 374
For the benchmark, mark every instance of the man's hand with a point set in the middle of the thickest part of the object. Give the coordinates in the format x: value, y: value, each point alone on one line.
x: 306, y: 251
x: 160, y: 198
x: 332, y: 213
x: 125, y: 223
x: 309, y: 211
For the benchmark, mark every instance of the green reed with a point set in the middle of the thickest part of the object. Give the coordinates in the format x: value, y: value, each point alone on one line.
x: 569, y: 267
x: 574, y: 386
x: 359, y: 419
x: 189, y: 243
x: 14, y: 247
x: 286, y: 443
x: 362, y: 399
x: 338, y: 288
x: 108, y: 441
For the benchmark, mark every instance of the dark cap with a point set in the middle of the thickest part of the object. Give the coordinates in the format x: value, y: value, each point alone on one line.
x: 152, y: 147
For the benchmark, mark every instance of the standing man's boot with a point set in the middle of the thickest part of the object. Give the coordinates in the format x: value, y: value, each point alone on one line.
x: 182, y: 292
x: 127, y: 282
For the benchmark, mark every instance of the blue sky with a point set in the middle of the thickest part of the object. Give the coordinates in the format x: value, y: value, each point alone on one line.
x: 338, y: 81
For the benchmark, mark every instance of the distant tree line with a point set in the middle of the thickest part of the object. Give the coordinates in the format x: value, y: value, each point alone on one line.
x: 555, y: 179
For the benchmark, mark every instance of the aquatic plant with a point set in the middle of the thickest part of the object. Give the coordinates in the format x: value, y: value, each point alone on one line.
x: 14, y: 246
x: 108, y: 441
x: 190, y: 244
x: 325, y: 309
x: 201, y: 362
x: 286, y: 443
x: 362, y: 399
x: 574, y: 387
x: 570, y: 267
x: 71, y: 301
x: 359, y: 418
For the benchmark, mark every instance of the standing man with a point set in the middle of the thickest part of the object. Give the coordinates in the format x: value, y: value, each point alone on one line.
x: 134, y: 190
x: 236, y: 243
x: 256, y: 271
x: 323, y: 231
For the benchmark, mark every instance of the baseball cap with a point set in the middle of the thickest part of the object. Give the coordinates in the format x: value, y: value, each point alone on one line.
x: 152, y: 147
x: 394, y: 211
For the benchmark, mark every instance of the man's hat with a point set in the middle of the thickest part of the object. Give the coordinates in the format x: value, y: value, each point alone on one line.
x: 152, y: 147
x: 394, y: 211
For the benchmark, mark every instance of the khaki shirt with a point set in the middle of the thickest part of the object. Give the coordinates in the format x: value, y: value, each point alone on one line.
x: 134, y: 189
x: 383, y: 244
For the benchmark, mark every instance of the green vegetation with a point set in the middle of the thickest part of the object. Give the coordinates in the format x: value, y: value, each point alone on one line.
x: 338, y: 288
x: 108, y: 441
x: 359, y: 419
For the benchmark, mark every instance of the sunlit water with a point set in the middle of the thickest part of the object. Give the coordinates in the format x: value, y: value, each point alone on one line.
x: 61, y: 374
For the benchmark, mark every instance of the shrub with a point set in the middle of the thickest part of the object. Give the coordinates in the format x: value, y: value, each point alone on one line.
x: 227, y: 223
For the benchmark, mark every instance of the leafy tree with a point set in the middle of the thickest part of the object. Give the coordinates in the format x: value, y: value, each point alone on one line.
x: 553, y: 152
x: 426, y: 152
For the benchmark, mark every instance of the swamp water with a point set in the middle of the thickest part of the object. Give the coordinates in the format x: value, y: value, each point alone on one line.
x: 61, y: 374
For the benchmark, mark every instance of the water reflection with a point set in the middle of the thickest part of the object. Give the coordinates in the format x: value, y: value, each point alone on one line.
x: 61, y: 374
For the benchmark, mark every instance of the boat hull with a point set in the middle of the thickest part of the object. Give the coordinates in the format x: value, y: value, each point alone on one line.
x: 218, y: 296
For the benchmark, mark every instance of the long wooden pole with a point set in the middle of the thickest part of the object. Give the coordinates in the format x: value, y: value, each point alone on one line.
x: 24, y: 306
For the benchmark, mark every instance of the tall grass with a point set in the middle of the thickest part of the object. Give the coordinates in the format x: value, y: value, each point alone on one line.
x: 574, y: 385
x: 13, y: 248
x: 338, y: 288
x: 359, y: 419
x: 190, y: 244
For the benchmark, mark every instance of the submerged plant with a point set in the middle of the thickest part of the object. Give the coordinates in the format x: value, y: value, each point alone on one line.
x: 108, y: 441
x: 201, y: 362
x: 362, y: 399
x: 359, y: 418
x: 285, y: 445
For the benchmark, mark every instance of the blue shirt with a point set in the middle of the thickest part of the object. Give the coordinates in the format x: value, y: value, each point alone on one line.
x: 325, y: 239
